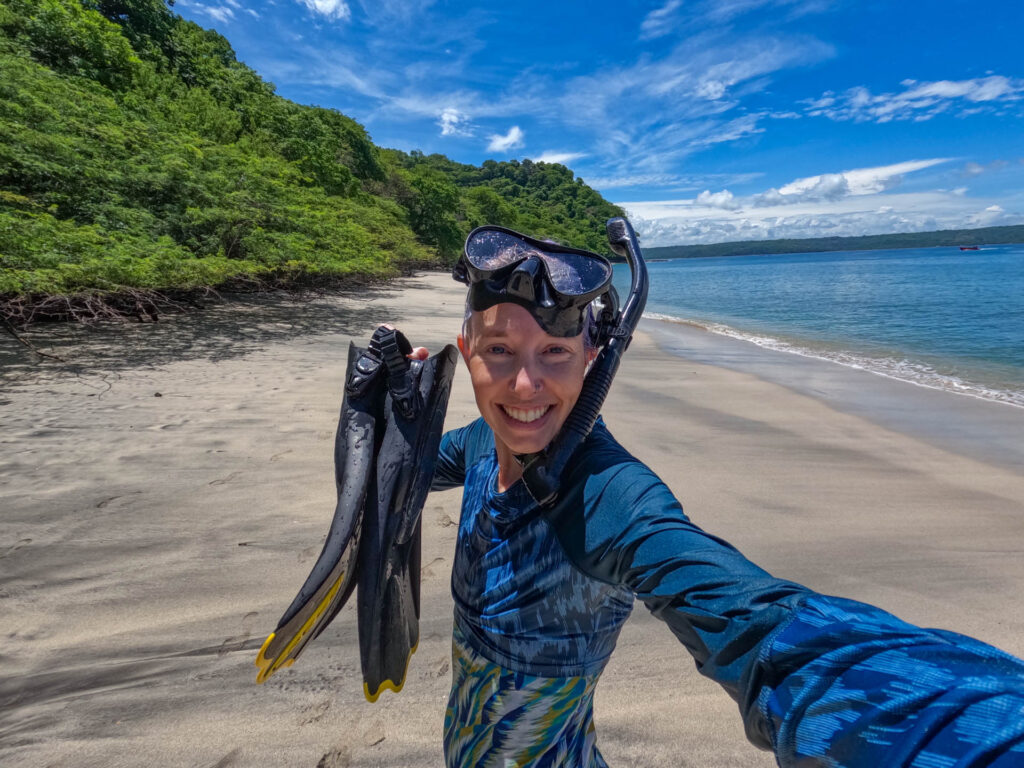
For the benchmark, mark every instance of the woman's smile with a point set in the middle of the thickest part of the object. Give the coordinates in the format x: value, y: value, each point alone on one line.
x: 526, y: 416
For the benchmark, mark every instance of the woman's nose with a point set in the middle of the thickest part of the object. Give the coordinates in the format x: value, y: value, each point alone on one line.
x: 527, y: 381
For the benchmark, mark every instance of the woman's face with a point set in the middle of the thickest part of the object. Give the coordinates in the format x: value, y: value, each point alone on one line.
x: 525, y: 381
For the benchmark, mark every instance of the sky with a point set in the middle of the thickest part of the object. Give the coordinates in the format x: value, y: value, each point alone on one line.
x: 707, y: 120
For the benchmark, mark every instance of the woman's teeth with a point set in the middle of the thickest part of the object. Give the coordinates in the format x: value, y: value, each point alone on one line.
x: 526, y: 416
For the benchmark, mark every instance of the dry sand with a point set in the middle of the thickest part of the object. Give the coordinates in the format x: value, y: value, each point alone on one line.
x: 148, y: 543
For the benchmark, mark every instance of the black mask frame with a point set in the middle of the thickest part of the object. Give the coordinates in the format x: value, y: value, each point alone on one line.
x: 555, y: 283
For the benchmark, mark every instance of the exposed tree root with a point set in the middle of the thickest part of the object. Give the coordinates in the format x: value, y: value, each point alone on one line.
x: 145, y: 305
x: 142, y: 305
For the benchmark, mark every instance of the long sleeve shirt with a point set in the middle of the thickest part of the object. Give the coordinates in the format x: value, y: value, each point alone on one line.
x: 820, y: 680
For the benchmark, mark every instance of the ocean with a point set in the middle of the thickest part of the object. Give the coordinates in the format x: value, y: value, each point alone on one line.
x: 937, y: 317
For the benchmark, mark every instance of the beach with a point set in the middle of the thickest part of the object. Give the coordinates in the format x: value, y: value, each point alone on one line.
x: 166, y: 491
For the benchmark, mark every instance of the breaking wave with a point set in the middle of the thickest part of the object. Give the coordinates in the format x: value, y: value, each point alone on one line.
x: 899, y: 368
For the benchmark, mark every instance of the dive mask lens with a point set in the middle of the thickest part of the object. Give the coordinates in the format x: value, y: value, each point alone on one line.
x: 572, y: 272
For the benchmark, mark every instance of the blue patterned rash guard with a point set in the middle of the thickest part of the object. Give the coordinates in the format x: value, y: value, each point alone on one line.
x: 540, y: 597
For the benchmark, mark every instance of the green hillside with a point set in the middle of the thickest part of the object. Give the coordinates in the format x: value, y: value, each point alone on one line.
x: 945, y: 237
x: 139, y: 158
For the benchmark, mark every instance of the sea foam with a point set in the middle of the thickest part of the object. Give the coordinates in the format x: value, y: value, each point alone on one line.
x: 901, y: 369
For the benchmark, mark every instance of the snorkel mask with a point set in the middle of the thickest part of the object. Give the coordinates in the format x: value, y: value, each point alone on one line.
x: 557, y: 284
x: 554, y: 283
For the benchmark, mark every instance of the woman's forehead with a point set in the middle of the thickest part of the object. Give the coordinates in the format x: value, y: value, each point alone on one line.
x: 505, y: 319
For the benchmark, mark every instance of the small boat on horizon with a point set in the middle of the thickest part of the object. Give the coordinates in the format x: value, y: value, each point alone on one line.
x: 968, y: 247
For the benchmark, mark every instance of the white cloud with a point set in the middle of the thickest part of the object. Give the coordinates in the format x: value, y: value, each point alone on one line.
x: 658, y: 22
x: 331, y: 68
x: 855, y: 202
x: 677, y: 182
x: 976, y: 169
x: 679, y: 222
x: 918, y: 101
x: 221, y: 13
x: 635, y: 180
x: 993, y: 215
x: 387, y: 13
x: 833, y: 186
x: 454, y: 123
x: 723, y: 11
x: 511, y: 140
x: 723, y: 200
x: 856, y: 181
x: 558, y: 157
x: 331, y: 9
x: 640, y: 118
x: 647, y: 117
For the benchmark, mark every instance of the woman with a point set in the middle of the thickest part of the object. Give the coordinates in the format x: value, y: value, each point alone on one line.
x: 541, y: 591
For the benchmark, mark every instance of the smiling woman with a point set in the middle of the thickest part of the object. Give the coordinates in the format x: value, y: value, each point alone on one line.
x: 542, y: 584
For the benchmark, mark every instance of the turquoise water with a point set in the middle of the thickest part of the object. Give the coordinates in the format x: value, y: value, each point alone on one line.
x: 938, y: 317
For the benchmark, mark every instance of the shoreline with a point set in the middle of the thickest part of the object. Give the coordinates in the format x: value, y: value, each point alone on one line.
x: 968, y: 424
x: 151, y: 542
x: 921, y: 375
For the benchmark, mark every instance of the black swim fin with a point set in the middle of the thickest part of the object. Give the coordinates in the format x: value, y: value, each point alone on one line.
x: 389, y: 577
x: 333, y: 577
x: 385, y: 451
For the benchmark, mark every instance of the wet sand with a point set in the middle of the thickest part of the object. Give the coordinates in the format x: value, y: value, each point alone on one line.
x: 166, y: 492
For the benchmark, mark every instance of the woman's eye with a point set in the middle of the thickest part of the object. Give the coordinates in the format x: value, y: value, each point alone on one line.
x: 497, y: 349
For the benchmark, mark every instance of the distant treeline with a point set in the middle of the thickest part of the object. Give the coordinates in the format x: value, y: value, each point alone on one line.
x: 984, y: 236
x: 139, y: 157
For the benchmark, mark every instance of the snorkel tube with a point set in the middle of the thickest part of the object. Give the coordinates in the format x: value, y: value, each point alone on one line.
x: 542, y: 472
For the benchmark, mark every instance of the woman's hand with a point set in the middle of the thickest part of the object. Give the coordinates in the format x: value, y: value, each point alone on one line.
x: 418, y: 353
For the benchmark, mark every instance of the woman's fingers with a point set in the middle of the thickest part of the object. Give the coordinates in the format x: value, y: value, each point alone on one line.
x: 418, y: 353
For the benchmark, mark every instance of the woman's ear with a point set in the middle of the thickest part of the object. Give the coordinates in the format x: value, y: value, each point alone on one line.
x: 463, y: 347
x: 591, y: 354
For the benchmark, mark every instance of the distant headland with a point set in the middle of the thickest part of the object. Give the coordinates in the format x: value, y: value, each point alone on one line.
x: 945, y: 237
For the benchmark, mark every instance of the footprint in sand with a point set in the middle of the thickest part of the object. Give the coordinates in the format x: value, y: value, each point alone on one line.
x: 314, y: 712
x: 236, y: 643
x: 224, y: 480
x: 339, y: 757
x: 110, y: 500
x: 227, y: 760
x: 427, y: 571
x: 17, y: 545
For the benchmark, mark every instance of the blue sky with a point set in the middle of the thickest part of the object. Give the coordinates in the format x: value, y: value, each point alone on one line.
x: 708, y: 120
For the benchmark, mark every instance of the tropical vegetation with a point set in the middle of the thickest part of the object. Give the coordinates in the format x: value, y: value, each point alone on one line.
x: 139, y: 158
